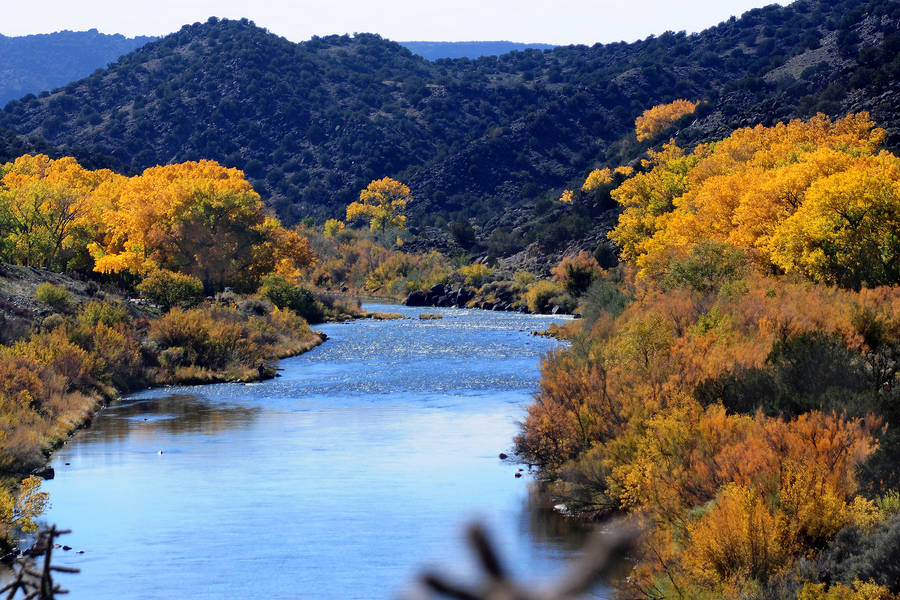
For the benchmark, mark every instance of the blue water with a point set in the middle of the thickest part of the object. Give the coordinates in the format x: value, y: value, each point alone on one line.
x: 343, y: 478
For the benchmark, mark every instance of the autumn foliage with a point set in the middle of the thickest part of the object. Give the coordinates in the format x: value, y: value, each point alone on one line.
x: 654, y: 121
x: 381, y: 204
x: 813, y: 197
x: 174, y: 234
x: 749, y: 416
x: 197, y: 218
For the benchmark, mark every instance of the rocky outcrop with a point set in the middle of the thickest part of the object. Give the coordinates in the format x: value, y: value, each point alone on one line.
x: 492, y: 296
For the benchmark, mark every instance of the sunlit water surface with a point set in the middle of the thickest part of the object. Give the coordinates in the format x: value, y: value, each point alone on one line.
x: 342, y: 478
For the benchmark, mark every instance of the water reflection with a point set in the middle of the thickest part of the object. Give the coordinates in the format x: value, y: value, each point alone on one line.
x: 548, y: 526
x: 173, y: 414
x: 340, y: 479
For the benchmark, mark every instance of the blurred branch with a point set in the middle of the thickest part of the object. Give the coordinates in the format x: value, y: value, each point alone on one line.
x: 38, y: 585
x: 603, y: 554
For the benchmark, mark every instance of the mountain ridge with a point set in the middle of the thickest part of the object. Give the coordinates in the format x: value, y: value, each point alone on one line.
x: 31, y: 63
x: 484, y: 143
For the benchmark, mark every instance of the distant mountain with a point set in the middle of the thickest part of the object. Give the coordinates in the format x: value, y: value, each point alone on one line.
x: 437, y: 50
x: 34, y: 63
x: 485, y: 144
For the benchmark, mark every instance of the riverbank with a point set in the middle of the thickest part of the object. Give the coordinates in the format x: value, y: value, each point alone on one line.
x: 97, y: 346
x: 428, y: 404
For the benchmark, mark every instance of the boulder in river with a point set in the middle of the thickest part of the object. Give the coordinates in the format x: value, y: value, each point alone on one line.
x: 415, y: 299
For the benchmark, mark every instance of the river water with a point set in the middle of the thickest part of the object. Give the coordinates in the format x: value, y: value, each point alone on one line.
x: 342, y: 478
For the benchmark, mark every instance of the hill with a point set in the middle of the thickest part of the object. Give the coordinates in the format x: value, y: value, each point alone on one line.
x: 34, y: 63
x: 484, y: 144
x: 438, y: 50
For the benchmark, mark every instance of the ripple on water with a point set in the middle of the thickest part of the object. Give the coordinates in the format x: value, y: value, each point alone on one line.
x: 337, y: 480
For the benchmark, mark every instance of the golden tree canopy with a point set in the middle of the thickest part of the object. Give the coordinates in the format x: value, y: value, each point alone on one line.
x: 45, y: 205
x: 655, y: 120
x: 812, y: 197
x: 197, y: 218
x: 381, y: 204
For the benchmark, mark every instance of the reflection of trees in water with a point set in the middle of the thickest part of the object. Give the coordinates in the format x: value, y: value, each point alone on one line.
x: 548, y: 526
x: 176, y: 413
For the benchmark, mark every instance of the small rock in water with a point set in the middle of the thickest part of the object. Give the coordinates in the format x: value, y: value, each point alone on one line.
x: 160, y: 452
x: 518, y: 474
x: 503, y: 456
x: 67, y: 548
x: 67, y: 464
x: 80, y: 552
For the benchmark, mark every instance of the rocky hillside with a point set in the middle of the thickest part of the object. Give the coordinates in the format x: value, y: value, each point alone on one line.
x: 21, y: 311
x: 486, y: 144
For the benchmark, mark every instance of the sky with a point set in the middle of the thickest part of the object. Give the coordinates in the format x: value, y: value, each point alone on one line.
x: 548, y: 21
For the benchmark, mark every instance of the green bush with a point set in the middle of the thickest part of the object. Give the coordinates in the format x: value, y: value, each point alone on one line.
x: 54, y: 296
x: 603, y: 295
x: 284, y: 294
x: 865, y: 556
x: 169, y: 289
x: 707, y: 267
x: 108, y: 313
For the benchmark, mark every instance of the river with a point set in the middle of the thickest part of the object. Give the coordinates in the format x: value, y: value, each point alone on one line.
x: 342, y: 478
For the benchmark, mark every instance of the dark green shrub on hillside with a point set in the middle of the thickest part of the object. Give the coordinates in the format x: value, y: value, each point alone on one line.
x: 169, y: 289
x: 604, y: 295
x: 810, y: 371
x: 707, y: 267
x: 856, y: 555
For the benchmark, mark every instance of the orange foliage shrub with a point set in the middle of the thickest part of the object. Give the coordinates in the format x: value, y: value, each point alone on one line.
x: 616, y: 420
x: 715, y: 403
x: 217, y: 342
x: 576, y: 272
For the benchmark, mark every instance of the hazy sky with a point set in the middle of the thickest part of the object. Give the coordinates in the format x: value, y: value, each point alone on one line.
x: 552, y: 21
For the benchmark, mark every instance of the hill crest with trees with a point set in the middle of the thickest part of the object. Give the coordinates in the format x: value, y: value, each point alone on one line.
x: 485, y: 145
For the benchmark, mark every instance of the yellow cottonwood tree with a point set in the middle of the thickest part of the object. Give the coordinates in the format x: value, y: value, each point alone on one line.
x: 197, y: 218
x: 381, y: 204
x: 43, y: 202
x: 813, y: 197
x: 846, y: 231
x: 596, y: 178
x: 332, y: 227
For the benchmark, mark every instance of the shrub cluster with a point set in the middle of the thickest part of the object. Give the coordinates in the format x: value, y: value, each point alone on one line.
x: 169, y: 289
x: 286, y: 294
